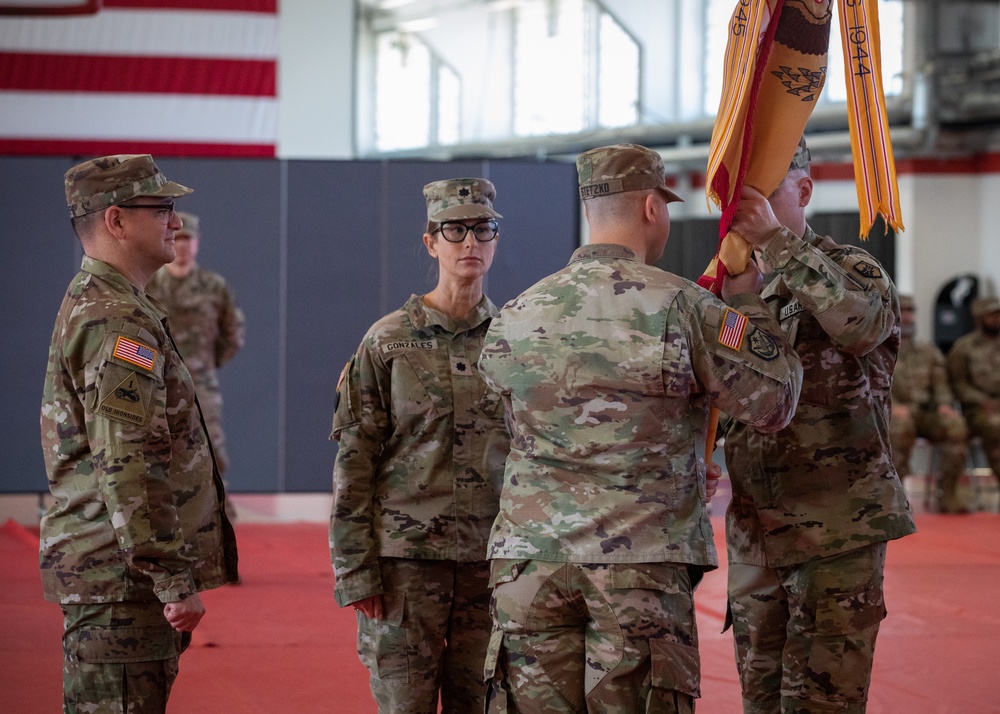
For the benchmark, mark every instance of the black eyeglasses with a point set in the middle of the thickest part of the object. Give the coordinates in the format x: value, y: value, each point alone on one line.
x: 168, y: 208
x: 455, y: 232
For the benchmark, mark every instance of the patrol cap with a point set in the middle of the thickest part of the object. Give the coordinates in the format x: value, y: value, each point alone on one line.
x: 110, y: 180
x: 985, y: 306
x: 620, y: 168
x: 802, y: 157
x: 189, y: 225
x: 460, y: 198
x: 906, y: 302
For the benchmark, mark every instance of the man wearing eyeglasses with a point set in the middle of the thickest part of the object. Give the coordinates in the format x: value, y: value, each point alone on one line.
x: 137, y: 527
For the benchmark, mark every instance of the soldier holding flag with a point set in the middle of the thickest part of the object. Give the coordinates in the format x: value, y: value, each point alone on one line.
x: 814, y: 503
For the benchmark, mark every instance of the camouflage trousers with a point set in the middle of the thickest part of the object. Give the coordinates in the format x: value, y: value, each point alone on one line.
x: 577, y: 637
x: 987, y: 427
x: 805, y: 634
x: 119, y: 658
x: 948, y: 432
x: 432, y: 639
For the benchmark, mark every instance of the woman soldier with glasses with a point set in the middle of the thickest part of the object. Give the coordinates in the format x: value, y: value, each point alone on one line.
x: 422, y: 447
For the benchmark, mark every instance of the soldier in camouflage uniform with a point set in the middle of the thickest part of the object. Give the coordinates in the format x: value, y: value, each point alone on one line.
x: 137, y: 528
x: 206, y: 323
x: 814, y: 503
x: 974, y: 369
x: 422, y: 445
x: 923, y: 405
x: 607, y: 369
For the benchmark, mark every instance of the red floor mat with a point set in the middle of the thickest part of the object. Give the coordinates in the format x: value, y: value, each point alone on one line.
x: 278, y: 643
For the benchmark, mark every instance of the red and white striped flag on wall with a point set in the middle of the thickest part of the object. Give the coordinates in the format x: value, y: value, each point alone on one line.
x: 166, y: 77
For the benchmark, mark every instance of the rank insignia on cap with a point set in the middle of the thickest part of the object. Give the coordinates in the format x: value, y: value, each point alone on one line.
x: 734, y: 326
x: 870, y: 271
x: 135, y: 353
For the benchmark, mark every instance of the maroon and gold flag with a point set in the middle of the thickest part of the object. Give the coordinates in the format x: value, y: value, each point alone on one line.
x: 774, y: 70
x: 775, y: 67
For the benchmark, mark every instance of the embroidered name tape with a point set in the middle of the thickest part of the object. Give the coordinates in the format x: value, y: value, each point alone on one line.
x: 410, y: 345
x: 734, y: 326
x: 135, y: 353
x: 792, y: 308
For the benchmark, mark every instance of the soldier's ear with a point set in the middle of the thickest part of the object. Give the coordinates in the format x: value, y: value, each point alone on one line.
x: 430, y: 243
x: 805, y: 191
x: 650, y: 208
x: 114, y: 221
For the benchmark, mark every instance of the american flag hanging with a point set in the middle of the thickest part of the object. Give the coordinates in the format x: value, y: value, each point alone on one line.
x: 167, y: 77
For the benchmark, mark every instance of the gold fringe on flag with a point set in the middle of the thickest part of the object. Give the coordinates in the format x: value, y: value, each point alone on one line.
x: 874, y: 166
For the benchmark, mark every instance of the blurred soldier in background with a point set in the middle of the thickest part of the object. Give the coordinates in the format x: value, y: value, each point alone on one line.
x: 923, y: 405
x: 974, y: 369
x: 206, y: 325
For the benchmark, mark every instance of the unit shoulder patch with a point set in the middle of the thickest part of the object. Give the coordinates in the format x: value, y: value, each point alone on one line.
x: 762, y: 345
x: 124, y: 395
x: 868, y: 270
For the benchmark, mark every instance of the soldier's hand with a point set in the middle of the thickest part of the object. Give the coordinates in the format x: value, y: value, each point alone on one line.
x: 754, y: 219
x: 900, y: 411
x: 947, y: 410
x: 749, y: 281
x: 370, y: 606
x: 990, y: 405
x: 184, y: 615
x: 713, y: 472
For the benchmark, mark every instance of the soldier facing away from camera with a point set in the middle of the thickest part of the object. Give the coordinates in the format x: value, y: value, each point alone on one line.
x: 607, y: 368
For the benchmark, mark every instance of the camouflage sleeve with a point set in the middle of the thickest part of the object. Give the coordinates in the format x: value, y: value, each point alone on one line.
x: 742, y: 359
x: 231, y: 328
x: 361, y: 426
x: 851, y: 298
x: 960, y: 377
x: 131, y: 444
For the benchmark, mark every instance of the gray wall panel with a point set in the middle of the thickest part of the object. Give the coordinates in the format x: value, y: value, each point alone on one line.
x: 334, y: 279
x: 238, y: 202
x: 540, y: 227
x: 41, y: 256
x: 316, y: 251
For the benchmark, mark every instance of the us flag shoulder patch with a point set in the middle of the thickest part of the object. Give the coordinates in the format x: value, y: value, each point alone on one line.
x: 135, y: 353
x: 734, y: 327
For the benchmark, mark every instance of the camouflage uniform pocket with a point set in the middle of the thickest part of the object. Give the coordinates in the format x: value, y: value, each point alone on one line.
x: 675, y: 674
x: 505, y: 571
x: 102, y: 645
x: 844, y: 614
x: 840, y: 655
x: 494, y: 675
x: 382, y: 648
